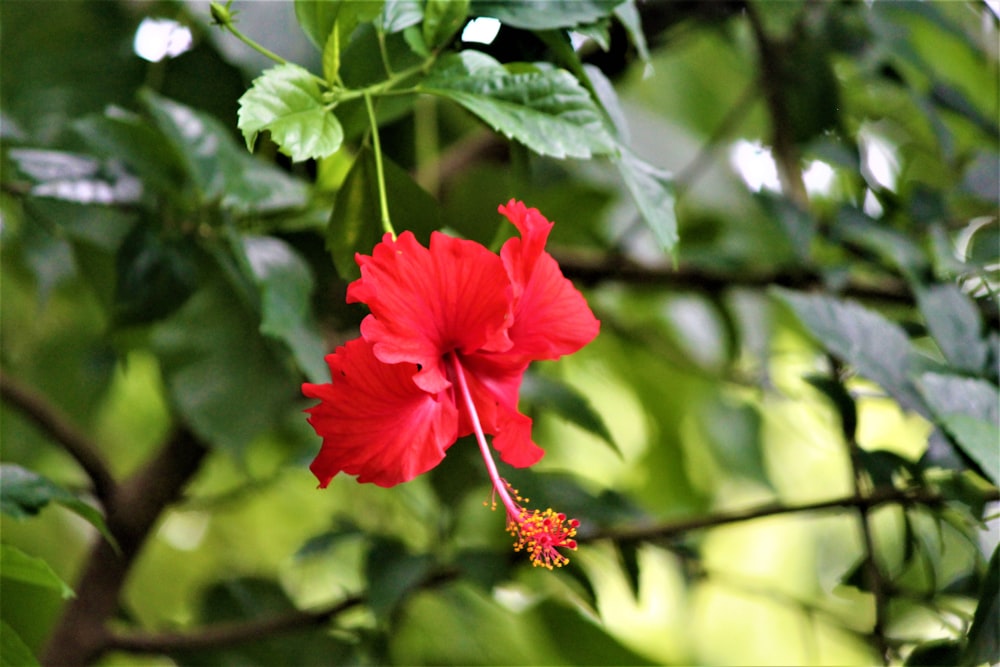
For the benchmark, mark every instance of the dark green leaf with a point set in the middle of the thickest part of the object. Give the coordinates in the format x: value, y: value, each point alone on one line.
x: 442, y: 19
x: 13, y: 651
x: 882, y: 466
x: 142, y: 147
x: 545, y: 109
x: 155, y: 276
x: 856, y: 227
x: 19, y: 566
x: 321, y: 544
x: 545, y: 14
x: 969, y: 410
x: 24, y: 493
x: 354, y: 222
x: 984, y: 641
x: 799, y: 226
x: 842, y: 400
x: 568, y: 403
x: 218, y: 170
x: 652, y: 191
x: 956, y: 325
x: 227, y: 392
x: 286, y: 100
x: 937, y: 652
x: 876, y: 347
x: 286, y: 284
x: 392, y: 573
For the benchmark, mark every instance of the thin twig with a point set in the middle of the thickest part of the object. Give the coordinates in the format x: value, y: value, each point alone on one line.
x: 671, y: 529
x: 60, y: 428
x: 228, y: 634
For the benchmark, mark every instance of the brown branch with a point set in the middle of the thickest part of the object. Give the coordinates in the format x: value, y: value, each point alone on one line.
x: 228, y: 634
x: 82, y: 633
x: 772, y: 80
x: 675, y: 528
x: 591, y: 269
x: 51, y: 421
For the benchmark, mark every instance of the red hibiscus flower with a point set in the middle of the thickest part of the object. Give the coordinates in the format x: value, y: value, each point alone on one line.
x: 452, y: 329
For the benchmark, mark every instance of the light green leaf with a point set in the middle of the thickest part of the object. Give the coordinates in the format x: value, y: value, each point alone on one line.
x: 442, y: 19
x: 13, y: 651
x: 545, y: 14
x: 956, y: 325
x: 19, y: 566
x: 547, y: 110
x: 285, y: 285
x: 653, y: 193
x: 877, y: 348
x: 969, y: 410
x: 628, y: 14
x: 399, y: 15
x: 569, y: 404
x: 24, y: 493
x: 317, y: 17
x: 286, y: 100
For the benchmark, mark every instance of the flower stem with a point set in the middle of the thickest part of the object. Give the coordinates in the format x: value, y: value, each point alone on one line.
x: 383, y: 202
x: 513, y: 510
x: 223, y: 17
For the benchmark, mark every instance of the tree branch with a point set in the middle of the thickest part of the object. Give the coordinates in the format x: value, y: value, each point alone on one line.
x: 51, y: 421
x: 589, y: 269
x: 228, y: 634
x: 671, y: 529
x: 82, y: 633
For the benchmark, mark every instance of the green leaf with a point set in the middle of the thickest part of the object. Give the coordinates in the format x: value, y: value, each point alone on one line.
x: 937, y: 652
x: 442, y: 19
x: 13, y: 651
x: 155, y: 276
x: 547, y: 110
x: 984, y: 641
x: 591, y: 644
x: 956, y: 325
x: 19, y: 566
x: 876, y: 347
x: 286, y: 100
x: 545, y: 14
x: 317, y: 17
x: 24, y: 493
x: 354, y: 222
x: 653, y: 193
x: 218, y: 170
x: 229, y: 393
x: 568, y: 403
x: 854, y: 226
x: 399, y: 15
x: 628, y: 15
x: 286, y: 284
x: 969, y: 410
x: 392, y: 573
x: 81, y: 179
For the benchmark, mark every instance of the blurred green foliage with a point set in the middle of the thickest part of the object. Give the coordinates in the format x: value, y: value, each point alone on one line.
x: 782, y: 448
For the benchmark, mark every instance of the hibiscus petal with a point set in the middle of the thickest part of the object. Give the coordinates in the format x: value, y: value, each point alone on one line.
x: 427, y: 302
x: 551, y: 317
x: 494, y: 384
x: 375, y: 422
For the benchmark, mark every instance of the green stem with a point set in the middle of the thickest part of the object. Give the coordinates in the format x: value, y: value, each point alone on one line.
x: 383, y: 201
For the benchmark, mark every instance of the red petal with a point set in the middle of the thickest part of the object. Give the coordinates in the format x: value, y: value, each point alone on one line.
x: 551, y: 317
x: 426, y: 303
x: 494, y: 385
x: 375, y: 422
